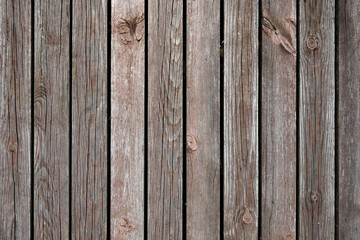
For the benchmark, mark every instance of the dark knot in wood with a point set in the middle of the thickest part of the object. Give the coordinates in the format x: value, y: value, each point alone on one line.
x: 290, y: 237
x: 313, y: 42
x: 12, y: 147
x: 130, y: 29
x: 191, y: 142
x: 247, y: 217
x: 315, y: 197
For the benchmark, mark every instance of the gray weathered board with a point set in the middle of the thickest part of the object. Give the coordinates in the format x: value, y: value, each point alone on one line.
x: 135, y: 119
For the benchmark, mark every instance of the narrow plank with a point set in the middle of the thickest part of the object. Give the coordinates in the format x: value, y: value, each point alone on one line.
x: 349, y: 120
x: 127, y: 119
x: 89, y: 119
x: 316, y: 119
x: 165, y: 123
x: 278, y: 120
x: 15, y: 118
x: 51, y: 120
x: 203, y: 119
x: 241, y: 120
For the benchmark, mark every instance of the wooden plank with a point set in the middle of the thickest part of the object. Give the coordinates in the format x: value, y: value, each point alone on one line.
x: 317, y: 86
x: 349, y: 120
x: 89, y: 119
x: 165, y: 122
x: 278, y: 120
x: 51, y: 116
x: 15, y: 118
x: 241, y: 120
x: 203, y: 120
x: 127, y: 119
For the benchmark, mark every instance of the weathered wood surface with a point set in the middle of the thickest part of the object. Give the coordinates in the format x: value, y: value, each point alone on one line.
x: 51, y: 119
x: 15, y: 118
x: 89, y: 119
x: 127, y: 119
x: 317, y: 86
x: 165, y: 119
x: 203, y: 120
x: 241, y: 119
x: 278, y: 115
x: 349, y: 120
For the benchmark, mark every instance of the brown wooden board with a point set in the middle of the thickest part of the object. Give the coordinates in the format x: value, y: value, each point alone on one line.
x: 278, y: 120
x: 316, y: 113
x: 165, y: 119
x: 241, y: 120
x: 349, y: 120
x: 15, y: 118
x: 89, y: 119
x: 203, y: 120
x: 127, y: 119
x: 51, y: 119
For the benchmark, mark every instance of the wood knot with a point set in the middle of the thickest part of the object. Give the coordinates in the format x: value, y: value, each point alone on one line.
x: 290, y: 237
x: 125, y: 225
x: 130, y: 29
x: 247, y: 217
x: 281, y: 34
x: 191, y: 142
x: 12, y: 147
x: 315, y: 197
x: 313, y: 42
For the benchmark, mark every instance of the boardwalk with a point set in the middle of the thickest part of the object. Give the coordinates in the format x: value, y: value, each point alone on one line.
x: 197, y: 120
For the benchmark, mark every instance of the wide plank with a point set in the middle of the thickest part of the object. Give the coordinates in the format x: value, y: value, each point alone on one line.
x: 316, y: 119
x: 127, y: 119
x: 349, y: 120
x: 203, y: 119
x: 51, y: 120
x: 241, y: 119
x: 89, y: 119
x: 15, y: 118
x: 165, y: 119
x: 278, y: 120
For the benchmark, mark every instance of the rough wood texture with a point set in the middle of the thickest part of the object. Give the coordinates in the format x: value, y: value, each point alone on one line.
x: 89, y: 119
x: 165, y: 124
x: 278, y: 122
x: 349, y: 120
x: 317, y: 81
x: 15, y: 119
x: 203, y: 120
x: 51, y: 120
x: 127, y: 119
x: 241, y: 120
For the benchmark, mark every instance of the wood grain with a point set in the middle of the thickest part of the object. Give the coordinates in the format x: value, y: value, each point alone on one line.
x: 317, y: 86
x: 127, y: 119
x: 89, y: 119
x: 241, y: 120
x: 165, y: 124
x: 203, y: 120
x: 278, y: 120
x: 349, y: 120
x: 51, y: 116
x: 15, y: 118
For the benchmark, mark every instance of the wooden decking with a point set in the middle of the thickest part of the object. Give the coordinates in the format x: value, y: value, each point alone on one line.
x: 198, y: 120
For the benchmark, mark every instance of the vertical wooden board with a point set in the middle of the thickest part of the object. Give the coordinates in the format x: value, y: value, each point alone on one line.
x: 241, y: 120
x: 127, y: 119
x: 278, y: 120
x: 51, y: 120
x: 349, y: 120
x: 165, y: 124
x: 317, y: 81
x: 15, y: 118
x: 89, y: 119
x: 203, y: 120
